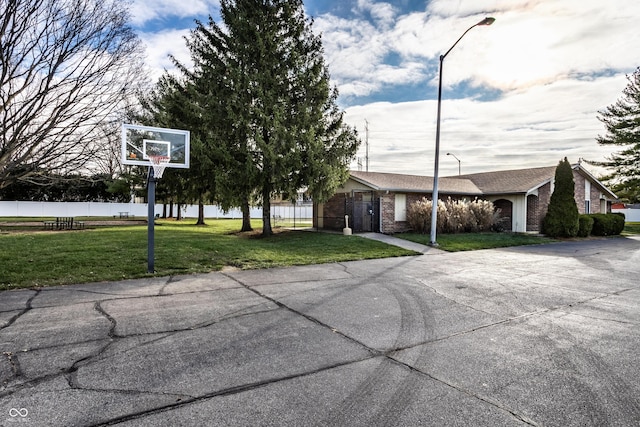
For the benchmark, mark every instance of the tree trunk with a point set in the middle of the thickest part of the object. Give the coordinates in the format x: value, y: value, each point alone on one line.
x: 164, y: 210
x: 179, y: 216
x: 246, y: 216
x: 171, y: 209
x: 200, y: 214
x: 266, y: 213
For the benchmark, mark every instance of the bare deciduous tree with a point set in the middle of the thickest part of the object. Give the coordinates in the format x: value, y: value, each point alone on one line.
x: 67, y: 67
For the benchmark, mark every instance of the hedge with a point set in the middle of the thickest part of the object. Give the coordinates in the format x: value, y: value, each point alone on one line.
x: 585, y: 225
x: 607, y: 224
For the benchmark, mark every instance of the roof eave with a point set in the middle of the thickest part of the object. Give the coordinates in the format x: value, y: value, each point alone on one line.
x: 363, y: 182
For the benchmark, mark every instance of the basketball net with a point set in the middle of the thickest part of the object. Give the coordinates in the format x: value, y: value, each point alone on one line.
x: 159, y: 163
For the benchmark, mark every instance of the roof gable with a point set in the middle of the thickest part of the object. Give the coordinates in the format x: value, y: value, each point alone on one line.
x: 414, y: 183
x: 603, y: 189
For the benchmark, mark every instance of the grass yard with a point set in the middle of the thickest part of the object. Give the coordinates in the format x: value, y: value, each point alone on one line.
x: 31, y: 257
x: 474, y: 241
x: 631, y: 228
x: 38, y: 258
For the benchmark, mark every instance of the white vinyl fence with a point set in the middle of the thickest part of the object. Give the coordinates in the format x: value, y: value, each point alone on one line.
x: 55, y: 209
x: 631, y: 215
x: 98, y: 209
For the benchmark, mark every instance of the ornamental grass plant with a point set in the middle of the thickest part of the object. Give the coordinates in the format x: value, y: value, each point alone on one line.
x: 454, y: 216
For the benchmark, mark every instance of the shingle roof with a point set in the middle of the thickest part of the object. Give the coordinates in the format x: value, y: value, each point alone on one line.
x: 415, y: 183
x: 518, y: 181
x: 511, y: 181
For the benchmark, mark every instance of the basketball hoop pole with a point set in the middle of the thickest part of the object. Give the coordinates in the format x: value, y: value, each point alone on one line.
x: 151, y: 199
x: 156, y: 148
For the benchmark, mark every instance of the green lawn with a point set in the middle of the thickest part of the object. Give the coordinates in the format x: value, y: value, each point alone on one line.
x: 631, y: 228
x: 474, y: 241
x: 37, y: 258
x: 31, y: 257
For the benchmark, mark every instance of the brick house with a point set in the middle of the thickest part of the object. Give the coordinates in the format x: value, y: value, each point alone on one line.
x: 378, y: 201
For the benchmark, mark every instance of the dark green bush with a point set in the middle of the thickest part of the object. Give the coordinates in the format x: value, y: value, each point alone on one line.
x: 607, y: 224
x: 561, y: 219
x: 585, y: 225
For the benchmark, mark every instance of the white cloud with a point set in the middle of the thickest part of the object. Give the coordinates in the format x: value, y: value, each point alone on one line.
x: 551, y: 40
x: 383, y: 13
x: 531, y: 42
x: 529, y: 129
x: 356, y: 51
x: 143, y: 11
x: 352, y: 49
x: 555, y: 64
x: 162, y: 44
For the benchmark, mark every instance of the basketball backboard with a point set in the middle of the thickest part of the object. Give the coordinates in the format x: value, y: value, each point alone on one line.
x: 140, y: 142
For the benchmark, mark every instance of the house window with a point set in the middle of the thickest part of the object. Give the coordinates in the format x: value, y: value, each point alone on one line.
x: 587, y: 197
x: 401, y: 207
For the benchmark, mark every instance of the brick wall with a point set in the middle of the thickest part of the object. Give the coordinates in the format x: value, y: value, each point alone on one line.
x: 579, y: 191
x: 387, y: 212
x: 595, y: 200
x: 594, y: 196
x: 334, y: 212
x: 544, y: 197
x: 534, y: 216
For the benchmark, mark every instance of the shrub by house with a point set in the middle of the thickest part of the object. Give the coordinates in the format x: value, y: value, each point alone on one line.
x: 454, y: 216
x: 562, y: 215
x: 607, y: 224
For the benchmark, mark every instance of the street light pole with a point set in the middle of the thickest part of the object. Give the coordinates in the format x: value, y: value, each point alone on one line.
x: 459, y: 167
x: 434, y: 196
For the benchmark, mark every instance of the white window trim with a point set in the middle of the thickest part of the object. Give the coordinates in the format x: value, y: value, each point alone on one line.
x: 400, y: 211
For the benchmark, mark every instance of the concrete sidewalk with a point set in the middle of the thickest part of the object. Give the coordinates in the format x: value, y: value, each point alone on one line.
x: 405, y: 244
x: 539, y: 335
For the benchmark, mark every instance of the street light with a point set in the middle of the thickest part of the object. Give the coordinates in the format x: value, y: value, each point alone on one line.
x: 454, y: 156
x: 434, y: 196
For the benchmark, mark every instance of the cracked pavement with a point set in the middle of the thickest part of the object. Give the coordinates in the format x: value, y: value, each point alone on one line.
x: 539, y: 335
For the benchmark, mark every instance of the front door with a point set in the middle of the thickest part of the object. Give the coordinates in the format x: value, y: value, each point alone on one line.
x: 366, y: 211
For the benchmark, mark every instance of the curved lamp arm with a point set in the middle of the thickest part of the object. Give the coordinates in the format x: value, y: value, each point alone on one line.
x: 485, y: 21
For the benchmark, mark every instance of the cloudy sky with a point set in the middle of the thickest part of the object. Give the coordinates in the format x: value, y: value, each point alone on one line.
x: 523, y: 92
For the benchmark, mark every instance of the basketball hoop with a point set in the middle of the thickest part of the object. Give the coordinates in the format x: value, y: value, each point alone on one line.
x: 158, y: 163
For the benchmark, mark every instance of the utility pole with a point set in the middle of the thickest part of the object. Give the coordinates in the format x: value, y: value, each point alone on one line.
x: 366, y: 142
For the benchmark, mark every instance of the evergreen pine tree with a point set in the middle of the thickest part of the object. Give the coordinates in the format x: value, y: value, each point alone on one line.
x: 622, y: 121
x: 263, y: 85
x: 170, y: 105
x: 562, y: 214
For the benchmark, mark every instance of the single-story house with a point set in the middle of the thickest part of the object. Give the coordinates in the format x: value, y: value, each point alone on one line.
x: 378, y: 202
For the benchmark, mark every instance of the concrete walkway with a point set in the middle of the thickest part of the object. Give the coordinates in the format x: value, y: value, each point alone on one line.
x: 545, y: 335
x: 405, y: 244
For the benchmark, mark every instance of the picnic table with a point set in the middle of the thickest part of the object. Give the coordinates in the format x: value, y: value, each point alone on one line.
x: 123, y: 214
x: 63, y: 223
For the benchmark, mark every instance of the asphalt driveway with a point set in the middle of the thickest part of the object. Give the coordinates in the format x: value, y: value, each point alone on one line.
x: 538, y: 335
